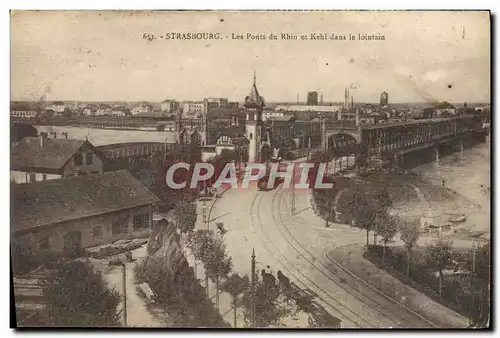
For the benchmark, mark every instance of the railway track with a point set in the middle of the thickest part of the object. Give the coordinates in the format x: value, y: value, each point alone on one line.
x: 387, y: 308
x: 330, y: 302
x: 392, y: 313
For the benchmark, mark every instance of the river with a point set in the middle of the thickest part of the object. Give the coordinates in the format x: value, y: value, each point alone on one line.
x: 467, y: 179
x: 100, y: 137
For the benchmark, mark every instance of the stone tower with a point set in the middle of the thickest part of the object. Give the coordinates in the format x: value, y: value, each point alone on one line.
x: 254, y: 104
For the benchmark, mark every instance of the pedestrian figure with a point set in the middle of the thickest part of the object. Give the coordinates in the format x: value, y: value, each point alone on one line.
x: 443, y: 182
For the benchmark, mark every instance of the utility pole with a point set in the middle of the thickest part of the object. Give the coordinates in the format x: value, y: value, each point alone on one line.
x: 309, y: 148
x: 124, y: 294
x: 472, y: 277
x: 253, y: 287
x: 292, y: 209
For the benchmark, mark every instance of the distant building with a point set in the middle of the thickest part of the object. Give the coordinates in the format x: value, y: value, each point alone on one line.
x: 268, y: 113
x: 169, y: 106
x: 193, y: 108
x: 90, y: 110
x: 104, y: 109
x: 42, y: 158
x: 384, y: 99
x: 69, y: 215
x: 57, y: 106
x: 308, y: 108
x: 444, y: 109
x: 220, y: 102
x: 27, y: 114
x: 312, y: 98
x: 141, y: 109
x: 119, y: 111
x: 233, y: 105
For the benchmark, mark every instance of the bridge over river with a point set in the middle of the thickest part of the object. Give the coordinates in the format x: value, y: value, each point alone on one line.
x: 407, y: 143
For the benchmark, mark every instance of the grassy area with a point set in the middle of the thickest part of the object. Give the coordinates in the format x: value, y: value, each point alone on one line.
x: 457, y: 293
x: 377, y: 185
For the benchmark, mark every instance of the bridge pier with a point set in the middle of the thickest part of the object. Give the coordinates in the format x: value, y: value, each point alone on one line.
x: 436, y: 162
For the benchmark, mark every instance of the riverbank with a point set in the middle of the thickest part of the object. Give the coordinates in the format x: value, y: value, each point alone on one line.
x: 353, y: 259
x: 453, y: 196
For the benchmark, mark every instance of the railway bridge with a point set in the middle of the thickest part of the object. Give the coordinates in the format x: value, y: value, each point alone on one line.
x: 406, y: 143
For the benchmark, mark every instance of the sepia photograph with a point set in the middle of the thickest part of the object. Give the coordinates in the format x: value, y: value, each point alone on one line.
x: 250, y: 169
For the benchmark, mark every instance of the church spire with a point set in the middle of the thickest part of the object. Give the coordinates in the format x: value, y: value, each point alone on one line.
x: 254, y: 99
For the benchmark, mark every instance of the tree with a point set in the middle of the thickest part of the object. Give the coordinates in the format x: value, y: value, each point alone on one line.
x: 364, y: 212
x: 67, y: 112
x: 173, y: 281
x: 235, y: 285
x: 410, y: 233
x: 185, y: 217
x: 18, y: 131
x: 211, y: 251
x: 482, y: 271
x: 383, y: 199
x: 199, y: 242
x: 271, y: 305
x: 438, y: 255
x: 216, y: 262
x: 483, y: 263
x: 77, y: 296
x: 49, y: 113
x: 387, y: 228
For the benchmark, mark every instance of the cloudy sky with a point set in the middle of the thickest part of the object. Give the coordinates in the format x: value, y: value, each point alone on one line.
x: 102, y: 56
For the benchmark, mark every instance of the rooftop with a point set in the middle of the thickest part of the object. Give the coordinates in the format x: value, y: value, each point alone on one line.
x: 54, y: 153
x: 280, y: 118
x: 254, y: 99
x: 54, y: 201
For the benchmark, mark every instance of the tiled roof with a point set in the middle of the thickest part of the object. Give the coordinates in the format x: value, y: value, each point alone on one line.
x: 53, y: 201
x: 54, y: 153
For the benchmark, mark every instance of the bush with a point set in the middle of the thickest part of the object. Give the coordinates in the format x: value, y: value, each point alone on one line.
x: 77, y: 296
x: 456, y: 292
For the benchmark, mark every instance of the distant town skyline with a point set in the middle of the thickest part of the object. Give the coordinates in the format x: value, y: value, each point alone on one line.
x: 102, y: 56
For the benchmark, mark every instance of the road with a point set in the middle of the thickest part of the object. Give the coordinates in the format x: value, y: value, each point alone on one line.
x: 296, y: 245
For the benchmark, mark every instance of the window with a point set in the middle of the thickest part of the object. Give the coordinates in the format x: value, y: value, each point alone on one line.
x: 31, y: 177
x: 44, y: 244
x: 78, y: 159
x: 97, y: 231
x: 251, y: 136
x: 119, y: 226
x: 89, y: 158
x: 142, y: 221
x: 44, y: 177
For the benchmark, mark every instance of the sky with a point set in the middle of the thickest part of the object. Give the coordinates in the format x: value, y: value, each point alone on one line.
x: 102, y: 56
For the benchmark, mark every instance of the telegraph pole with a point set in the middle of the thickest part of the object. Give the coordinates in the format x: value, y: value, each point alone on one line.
x: 472, y: 276
x: 292, y: 209
x: 124, y: 294
x: 253, y: 287
x: 309, y: 149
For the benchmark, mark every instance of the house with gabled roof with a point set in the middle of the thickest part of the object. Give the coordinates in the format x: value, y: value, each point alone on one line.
x: 42, y: 158
x: 71, y: 214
